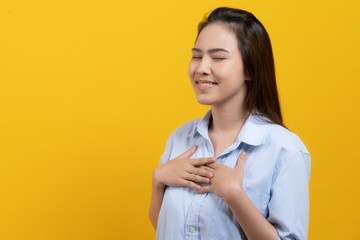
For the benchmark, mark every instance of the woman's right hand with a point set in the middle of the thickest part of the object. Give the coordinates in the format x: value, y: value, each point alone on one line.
x: 183, y: 171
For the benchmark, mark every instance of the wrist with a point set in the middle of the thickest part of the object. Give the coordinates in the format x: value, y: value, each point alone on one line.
x: 235, y: 192
x: 156, y: 180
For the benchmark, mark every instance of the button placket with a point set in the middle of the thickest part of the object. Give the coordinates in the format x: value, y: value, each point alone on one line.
x: 192, y: 221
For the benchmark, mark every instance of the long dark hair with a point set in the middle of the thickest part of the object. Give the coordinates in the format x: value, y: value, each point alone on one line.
x: 256, y: 51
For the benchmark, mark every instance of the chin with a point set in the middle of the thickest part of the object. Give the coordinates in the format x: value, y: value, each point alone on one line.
x: 204, y: 101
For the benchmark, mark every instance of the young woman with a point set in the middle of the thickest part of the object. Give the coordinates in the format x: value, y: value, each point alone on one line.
x: 204, y: 187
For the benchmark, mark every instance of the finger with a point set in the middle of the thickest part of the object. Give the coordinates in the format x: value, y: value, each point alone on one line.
x: 241, y: 160
x: 190, y: 184
x: 188, y: 153
x: 213, y: 165
x: 202, y: 161
x: 206, y: 168
x: 197, y: 178
x: 204, y: 189
x: 203, y: 171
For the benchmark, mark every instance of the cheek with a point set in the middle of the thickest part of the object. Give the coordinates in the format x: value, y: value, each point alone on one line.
x: 223, y: 72
x: 191, y: 69
x: 232, y: 71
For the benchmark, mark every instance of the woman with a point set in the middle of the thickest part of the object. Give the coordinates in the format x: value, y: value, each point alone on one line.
x: 208, y: 190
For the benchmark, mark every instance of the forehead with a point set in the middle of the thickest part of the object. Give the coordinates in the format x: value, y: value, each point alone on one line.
x: 216, y: 35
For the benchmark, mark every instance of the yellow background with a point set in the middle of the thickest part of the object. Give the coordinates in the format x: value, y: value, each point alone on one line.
x: 91, y: 90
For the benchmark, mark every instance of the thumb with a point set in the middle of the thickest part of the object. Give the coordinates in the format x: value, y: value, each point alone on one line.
x: 188, y: 153
x: 241, y: 160
x: 204, y: 189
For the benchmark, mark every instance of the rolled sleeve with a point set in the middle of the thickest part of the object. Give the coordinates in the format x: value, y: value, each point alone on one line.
x: 289, y: 201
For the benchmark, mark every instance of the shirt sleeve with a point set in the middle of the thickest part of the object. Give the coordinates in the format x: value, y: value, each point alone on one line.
x: 169, y: 145
x: 289, y: 201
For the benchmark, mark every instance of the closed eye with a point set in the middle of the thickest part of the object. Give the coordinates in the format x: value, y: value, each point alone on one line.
x: 196, y: 57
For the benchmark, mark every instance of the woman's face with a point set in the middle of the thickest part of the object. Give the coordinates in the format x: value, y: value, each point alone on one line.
x: 216, y: 68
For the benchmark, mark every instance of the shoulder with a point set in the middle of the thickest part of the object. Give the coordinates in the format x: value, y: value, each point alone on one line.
x: 290, y: 150
x: 186, y: 130
x: 259, y: 131
x: 181, y: 138
x: 285, y: 139
x: 275, y: 140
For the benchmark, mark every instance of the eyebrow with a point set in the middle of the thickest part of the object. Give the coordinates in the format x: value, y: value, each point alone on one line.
x: 212, y: 50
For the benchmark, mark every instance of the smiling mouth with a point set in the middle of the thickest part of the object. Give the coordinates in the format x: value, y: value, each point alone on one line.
x: 206, y: 83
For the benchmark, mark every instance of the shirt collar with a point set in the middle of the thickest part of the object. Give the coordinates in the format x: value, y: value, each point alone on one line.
x: 254, y: 131
x: 202, y: 126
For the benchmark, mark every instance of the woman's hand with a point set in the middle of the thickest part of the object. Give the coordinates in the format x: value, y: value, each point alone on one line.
x: 225, y: 180
x: 183, y: 171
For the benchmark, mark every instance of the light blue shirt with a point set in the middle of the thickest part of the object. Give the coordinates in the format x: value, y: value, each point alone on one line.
x: 276, y: 179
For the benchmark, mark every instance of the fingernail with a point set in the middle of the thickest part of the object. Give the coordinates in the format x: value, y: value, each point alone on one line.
x: 243, y: 153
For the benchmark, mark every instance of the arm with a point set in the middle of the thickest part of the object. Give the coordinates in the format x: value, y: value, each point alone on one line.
x: 180, y: 171
x: 156, y: 201
x: 248, y: 216
x: 289, y: 202
x: 227, y: 183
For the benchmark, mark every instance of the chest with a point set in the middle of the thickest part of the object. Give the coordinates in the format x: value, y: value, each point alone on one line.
x: 209, y: 212
x: 259, y: 164
x: 221, y: 142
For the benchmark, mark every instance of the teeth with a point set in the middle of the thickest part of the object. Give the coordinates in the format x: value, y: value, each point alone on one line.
x: 206, y: 84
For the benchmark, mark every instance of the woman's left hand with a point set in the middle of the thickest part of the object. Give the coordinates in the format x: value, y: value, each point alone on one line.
x: 225, y: 179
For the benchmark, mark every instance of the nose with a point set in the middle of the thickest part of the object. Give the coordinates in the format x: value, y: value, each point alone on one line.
x: 204, y: 66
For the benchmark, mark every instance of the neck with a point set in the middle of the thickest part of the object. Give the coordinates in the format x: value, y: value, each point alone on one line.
x: 228, y: 119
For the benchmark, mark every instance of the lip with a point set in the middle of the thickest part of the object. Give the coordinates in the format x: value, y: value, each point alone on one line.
x: 205, y: 84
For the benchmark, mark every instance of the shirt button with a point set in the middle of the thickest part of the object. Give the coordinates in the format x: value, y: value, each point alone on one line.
x: 192, y: 229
